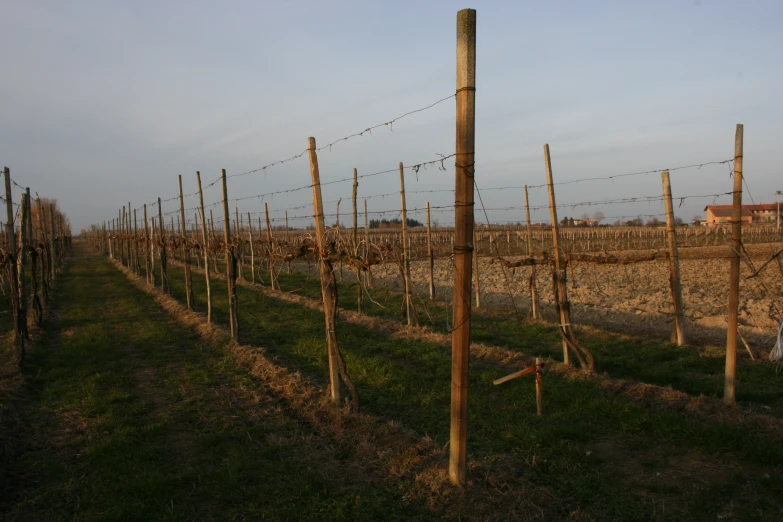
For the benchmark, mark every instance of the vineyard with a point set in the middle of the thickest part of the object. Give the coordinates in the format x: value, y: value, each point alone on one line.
x: 234, y: 352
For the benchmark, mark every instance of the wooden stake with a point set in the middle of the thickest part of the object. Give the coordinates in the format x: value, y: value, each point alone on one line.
x: 534, y: 305
x: 674, y: 263
x: 271, y: 249
x: 231, y: 262
x: 463, y: 238
x: 20, y: 321
x: 559, y: 270
x: 185, y: 250
x: 252, y: 248
x: 355, y: 240
x: 729, y: 390
x: 328, y: 283
x: 205, y: 245
x: 164, y: 277
x: 367, y: 245
x: 406, y: 262
x: 430, y: 256
x: 148, y: 251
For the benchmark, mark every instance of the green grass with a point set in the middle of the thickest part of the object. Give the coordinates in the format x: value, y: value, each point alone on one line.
x: 696, y: 371
x: 129, y: 416
x: 408, y: 382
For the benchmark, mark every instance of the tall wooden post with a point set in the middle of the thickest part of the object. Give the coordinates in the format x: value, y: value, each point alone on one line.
x: 231, y: 264
x: 729, y: 390
x: 328, y: 283
x: 674, y: 263
x: 185, y: 249
x: 430, y: 255
x: 535, y: 312
x: 272, y: 278
x: 559, y: 262
x: 406, y: 261
x: 463, y: 239
x: 20, y: 322
x: 205, y: 246
x: 148, y: 251
x: 252, y: 248
x: 35, y: 300
x: 23, y: 256
x: 136, y: 267
x: 367, y: 245
x: 52, y: 239
x: 45, y: 258
x: 355, y: 240
x: 164, y: 277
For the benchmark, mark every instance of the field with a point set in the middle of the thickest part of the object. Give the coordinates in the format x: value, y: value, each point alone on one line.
x: 132, y: 407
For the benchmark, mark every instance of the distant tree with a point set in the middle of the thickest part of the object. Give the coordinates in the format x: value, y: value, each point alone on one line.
x: 564, y: 221
x: 653, y: 222
x: 570, y: 222
x: 678, y: 221
x: 696, y: 220
x: 598, y: 216
x: 636, y: 222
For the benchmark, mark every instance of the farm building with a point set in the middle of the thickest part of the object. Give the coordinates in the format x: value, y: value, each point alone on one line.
x: 717, y: 214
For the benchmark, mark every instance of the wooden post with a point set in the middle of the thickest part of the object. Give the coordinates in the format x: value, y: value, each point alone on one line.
x: 271, y: 249
x: 45, y: 258
x: 729, y: 390
x: 463, y: 238
x: 674, y: 263
x: 231, y: 264
x: 406, y: 261
x: 367, y: 245
x: 252, y: 248
x: 239, y: 251
x: 559, y: 262
x: 534, y: 309
x: 476, y: 282
x: 52, y: 239
x: 20, y: 274
x: 328, y: 283
x: 164, y: 277
x: 148, y: 251
x: 185, y: 250
x: 136, y: 267
x: 430, y: 256
x: 35, y: 300
x: 355, y: 241
x: 20, y: 322
x: 205, y: 246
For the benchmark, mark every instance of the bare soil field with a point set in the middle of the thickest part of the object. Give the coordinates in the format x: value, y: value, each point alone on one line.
x: 632, y: 299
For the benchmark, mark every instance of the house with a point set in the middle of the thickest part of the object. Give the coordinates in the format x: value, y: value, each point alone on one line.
x: 763, y: 213
x: 721, y: 214
x: 760, y: 214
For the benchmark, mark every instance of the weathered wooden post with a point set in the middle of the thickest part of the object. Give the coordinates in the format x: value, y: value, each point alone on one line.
x: 463, y: 238
x: 476, y: 281
x: 164, y: 277
x: 367, y: 245
x: 430, y: 255
x: 252, y: 248
x: 185, y: 250
x: 52, y: 239
x: 148, y: 250
x: 729, y: 389
x: 136, y: 267
x: 20, y: 321
x: 231, y: 264
x: 535, y: 311
x: 674, y: 263
x: 539, y: 399
x: 337, y: 368
x: 205, y: 246
x: 355, y: 241
x: 35, y: 300
x: 272, y: 278
x: 559, y: 262
x: 406, y: 262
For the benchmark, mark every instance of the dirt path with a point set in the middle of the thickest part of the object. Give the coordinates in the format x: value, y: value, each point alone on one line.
x: 125, y: 414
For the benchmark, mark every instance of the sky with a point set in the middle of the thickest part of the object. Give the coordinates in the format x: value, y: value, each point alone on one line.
x: 104, y: 103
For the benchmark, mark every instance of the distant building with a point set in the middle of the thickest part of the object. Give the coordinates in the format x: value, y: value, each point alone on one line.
x: 761, y: 214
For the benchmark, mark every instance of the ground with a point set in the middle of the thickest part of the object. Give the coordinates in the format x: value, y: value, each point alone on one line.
x: 129, y: 408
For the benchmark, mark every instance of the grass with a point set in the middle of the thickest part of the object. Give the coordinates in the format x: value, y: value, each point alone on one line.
x: 693, y: 370
x: 128, y: 416
x: 664, y: 454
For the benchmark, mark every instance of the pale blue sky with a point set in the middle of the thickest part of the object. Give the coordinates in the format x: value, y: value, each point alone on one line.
x: 102, y: 102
